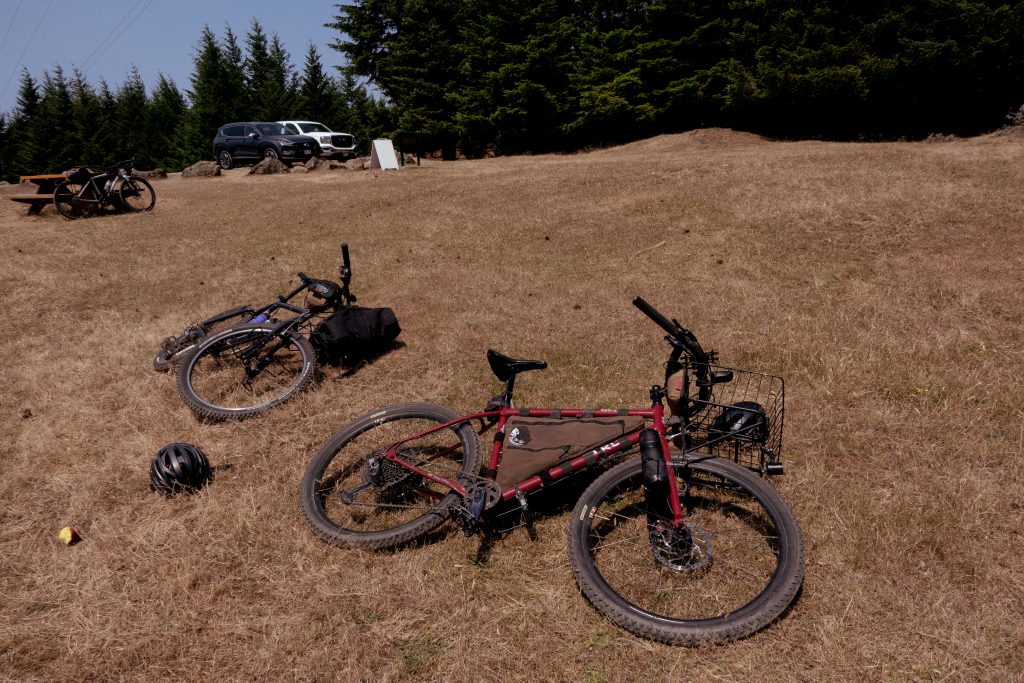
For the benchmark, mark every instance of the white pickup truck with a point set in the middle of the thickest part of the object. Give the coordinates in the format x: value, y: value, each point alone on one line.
x: 332, y: 145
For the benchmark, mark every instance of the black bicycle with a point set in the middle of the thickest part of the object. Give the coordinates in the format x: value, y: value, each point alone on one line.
x: 86, y: 192
x: 260, y: 361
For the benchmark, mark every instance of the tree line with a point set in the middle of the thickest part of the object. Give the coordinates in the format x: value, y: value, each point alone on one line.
x: 525, y: 76
x: 62, y: 120
x: 512, y: 76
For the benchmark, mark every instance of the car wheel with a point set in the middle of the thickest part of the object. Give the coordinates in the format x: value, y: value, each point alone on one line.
x: 224, y: 159
x: 270, y: 153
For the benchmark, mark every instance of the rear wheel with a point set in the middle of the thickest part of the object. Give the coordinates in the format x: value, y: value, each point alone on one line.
x: 215, y: 382
x: 137, y: 194
x: 353, y: 496
x: 70, y: 200
x: 174, y: 349
x: 733, y: 569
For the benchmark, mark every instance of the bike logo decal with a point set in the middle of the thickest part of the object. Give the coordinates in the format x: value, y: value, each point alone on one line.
x: 519, y: 437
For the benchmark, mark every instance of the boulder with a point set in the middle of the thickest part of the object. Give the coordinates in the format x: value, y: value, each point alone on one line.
x: 358, y: 164
x: 268, y: 166
x: 156, y: 173
x: 201, y: 169
x: 317, y: 164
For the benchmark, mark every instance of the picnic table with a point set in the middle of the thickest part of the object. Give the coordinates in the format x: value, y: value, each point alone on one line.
x: 45, y: 184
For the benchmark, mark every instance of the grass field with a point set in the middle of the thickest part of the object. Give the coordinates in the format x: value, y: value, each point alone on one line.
x: 885, y: 282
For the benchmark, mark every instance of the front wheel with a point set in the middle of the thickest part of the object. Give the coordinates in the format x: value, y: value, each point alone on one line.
x: 733, y: 569
x: 137, y: 194
x: 270, y: 153
x: 224, y: 159
x: 219, y: 381
x: 353, y: 496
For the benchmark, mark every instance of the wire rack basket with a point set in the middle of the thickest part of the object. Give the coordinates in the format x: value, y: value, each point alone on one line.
x: 741, y: 420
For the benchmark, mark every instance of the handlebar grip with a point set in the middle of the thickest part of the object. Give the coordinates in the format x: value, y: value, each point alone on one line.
x: 653, y: 313
x: 344, y: 256
x: 305, y: 278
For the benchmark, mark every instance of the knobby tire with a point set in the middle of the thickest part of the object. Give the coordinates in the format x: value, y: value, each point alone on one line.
x: 741, y: 572
x: 398, y: 507
x: 211, y: 379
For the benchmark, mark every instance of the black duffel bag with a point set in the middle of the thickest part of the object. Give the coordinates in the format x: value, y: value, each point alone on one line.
x: 355, y: 333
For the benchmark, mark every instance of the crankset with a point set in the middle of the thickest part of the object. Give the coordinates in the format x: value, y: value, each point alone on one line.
x: 479, y: 497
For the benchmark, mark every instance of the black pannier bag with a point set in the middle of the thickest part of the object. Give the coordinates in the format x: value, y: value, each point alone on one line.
x: 354, y: 333
x: 533, y: 444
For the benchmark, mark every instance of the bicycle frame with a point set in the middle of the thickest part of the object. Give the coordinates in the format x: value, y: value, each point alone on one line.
x: 598, y: 454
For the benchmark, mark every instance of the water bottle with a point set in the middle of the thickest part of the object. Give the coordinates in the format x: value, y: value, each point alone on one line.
x: 261, y: 318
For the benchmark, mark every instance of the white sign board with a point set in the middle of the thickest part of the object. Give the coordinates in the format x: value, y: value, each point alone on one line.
x: 383, y: 155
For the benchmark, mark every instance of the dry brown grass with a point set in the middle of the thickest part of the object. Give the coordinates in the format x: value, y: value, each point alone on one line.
x: 882, y: 280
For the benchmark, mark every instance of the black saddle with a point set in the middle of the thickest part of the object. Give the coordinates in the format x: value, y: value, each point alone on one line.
x: 504, y: 367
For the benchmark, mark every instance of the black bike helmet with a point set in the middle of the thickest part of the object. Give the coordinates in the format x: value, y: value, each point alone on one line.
x: 745, y: 420
x: 179, y: 467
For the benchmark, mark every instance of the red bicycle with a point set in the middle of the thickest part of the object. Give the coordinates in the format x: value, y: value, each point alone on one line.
x: 686, y: 544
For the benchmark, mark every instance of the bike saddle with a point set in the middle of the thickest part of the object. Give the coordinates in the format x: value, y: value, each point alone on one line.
x: 504, y: 367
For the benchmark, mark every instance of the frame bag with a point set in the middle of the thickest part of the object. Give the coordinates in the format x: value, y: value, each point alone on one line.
x: 355, y: 333
x: 533, y: 444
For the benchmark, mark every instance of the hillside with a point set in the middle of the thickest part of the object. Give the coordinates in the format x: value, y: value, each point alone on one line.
x: 883, y: 281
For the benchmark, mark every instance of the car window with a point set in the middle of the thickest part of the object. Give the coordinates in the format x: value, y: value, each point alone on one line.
x: 249, y: 130
x: 291, y: 128
x: 272, y: 129
x: 309, y: 127
x: 233, y: 131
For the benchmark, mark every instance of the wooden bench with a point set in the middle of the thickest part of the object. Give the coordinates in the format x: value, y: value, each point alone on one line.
x: 45, y: 184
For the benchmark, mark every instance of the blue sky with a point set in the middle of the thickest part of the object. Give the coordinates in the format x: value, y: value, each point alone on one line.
x: 106, y: 38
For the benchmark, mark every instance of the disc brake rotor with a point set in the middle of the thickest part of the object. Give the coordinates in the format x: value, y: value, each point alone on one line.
x: 685, y: 550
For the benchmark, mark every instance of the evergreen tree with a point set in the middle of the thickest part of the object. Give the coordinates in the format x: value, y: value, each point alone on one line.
x: 55, y: 122
x: 318, y: 94
x: 85, y: 119
x: 164, y: 118
x: 281, y: 86
x: 412, y: 51
x: 27, y: 131
x: 234, y: 98
x: 208, y: 109
x: 107, y: 136
x: 133, y: 139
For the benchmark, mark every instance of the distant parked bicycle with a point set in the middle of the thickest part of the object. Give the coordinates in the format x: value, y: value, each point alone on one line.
x: 85, y: 191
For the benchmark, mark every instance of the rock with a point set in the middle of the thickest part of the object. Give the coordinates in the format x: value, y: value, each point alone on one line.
x: 300, y: 168
x: 335, y: 165
x: 357, y: 164
x: 156, y: 173
x: 201, y: 169
x: 316, y: 164
x: 268, y: 166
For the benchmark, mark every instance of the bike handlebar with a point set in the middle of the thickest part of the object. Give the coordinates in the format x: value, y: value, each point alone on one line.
x: 682, y: 337
x: 655, y: 315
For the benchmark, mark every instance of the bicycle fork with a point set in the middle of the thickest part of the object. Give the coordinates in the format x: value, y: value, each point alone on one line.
x: 672, y: 541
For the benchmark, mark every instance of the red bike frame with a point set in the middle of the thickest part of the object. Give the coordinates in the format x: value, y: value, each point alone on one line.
x: 610, y: 448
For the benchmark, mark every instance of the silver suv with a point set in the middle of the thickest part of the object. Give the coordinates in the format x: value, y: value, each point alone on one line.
x: 332, y: 145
